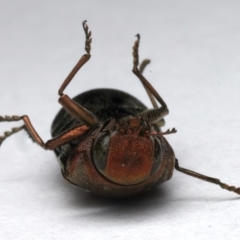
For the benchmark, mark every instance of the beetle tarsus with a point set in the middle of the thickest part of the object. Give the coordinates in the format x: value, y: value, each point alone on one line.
x: 206, y: 178
x: 88, y: 37
x: 9, y: 133
x: 229, y: 188
x: 7, y: 118
x: 135, y: 52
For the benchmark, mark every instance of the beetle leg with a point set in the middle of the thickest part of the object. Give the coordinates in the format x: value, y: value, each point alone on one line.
x: 206, y: 178
x: 82, y: 60
x: 142, y: 67
x: 68, y: 136
x: 151, y: 115
x: 75, y: 110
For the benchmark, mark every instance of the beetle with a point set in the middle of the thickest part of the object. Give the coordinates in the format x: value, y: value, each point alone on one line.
x: 109, y: 142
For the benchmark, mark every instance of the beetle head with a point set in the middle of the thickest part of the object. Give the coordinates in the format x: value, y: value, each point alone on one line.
x: 125, y: 153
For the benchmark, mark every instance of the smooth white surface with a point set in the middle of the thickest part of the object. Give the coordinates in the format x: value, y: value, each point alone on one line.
x: 195, y: 51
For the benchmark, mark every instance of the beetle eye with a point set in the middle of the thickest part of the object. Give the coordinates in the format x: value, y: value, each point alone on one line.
x: 100, y: 151
x: 157, y: 155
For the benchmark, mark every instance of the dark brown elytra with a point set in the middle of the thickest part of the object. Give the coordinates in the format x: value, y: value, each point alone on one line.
x: 107, y: 141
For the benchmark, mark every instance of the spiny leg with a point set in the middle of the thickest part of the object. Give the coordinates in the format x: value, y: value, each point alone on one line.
x: 75, y: 110
x: 207, y: 179
x: 71, y: 135
x: 152, y: 115
x: 82, y: 60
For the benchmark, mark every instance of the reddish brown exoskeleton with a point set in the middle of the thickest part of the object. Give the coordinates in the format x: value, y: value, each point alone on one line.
x: 107, y: 141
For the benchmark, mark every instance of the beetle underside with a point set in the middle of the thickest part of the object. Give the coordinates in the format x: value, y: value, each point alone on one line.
x: 107, y: 141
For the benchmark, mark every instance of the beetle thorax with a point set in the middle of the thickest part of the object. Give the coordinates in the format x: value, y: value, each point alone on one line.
x: 126, y: 154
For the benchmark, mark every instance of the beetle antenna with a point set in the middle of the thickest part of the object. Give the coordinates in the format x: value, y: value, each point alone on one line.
x: 88, y: 37
x: 207, y: 179
x: 143, y: 65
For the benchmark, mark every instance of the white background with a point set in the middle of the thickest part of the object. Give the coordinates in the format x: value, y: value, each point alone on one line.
x: 195, y: 51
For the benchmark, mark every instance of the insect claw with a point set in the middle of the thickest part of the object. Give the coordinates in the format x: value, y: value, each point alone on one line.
x: 84, y: 24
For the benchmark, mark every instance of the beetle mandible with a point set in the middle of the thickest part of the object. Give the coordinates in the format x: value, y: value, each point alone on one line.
x: 107, y: 141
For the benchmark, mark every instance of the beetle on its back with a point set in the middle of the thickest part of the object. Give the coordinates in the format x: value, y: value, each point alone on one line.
x: 107, y: 141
